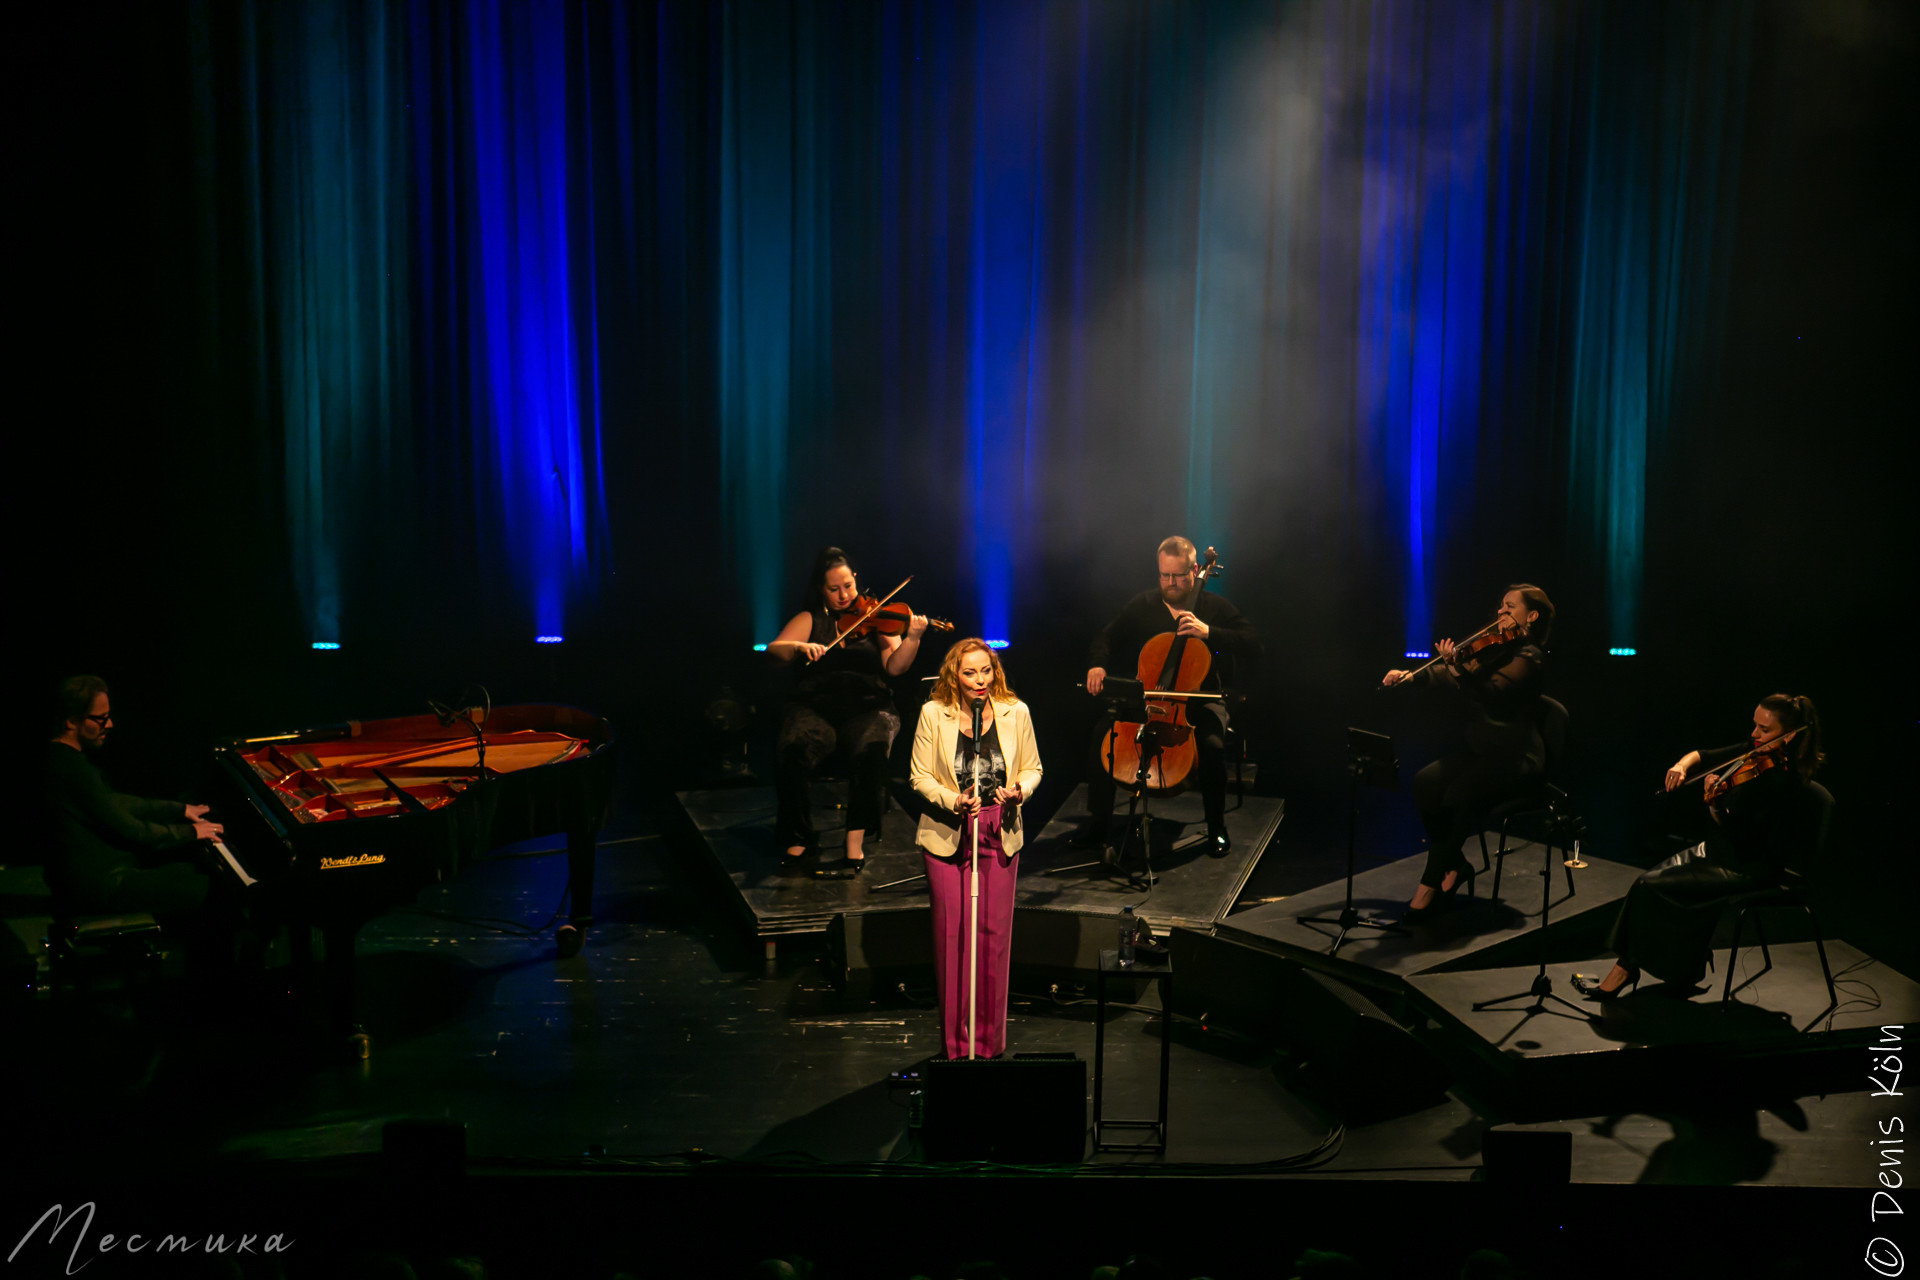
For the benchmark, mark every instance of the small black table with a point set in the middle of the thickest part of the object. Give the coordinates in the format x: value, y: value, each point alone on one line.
x: 1160, y: 971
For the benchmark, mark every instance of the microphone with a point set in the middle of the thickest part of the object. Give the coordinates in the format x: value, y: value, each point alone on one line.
x: 979, y: 760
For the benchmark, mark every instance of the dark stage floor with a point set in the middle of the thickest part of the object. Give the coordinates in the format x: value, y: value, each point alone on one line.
x: 672, y: 1032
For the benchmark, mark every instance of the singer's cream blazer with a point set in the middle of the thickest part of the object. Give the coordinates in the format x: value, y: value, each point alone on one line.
x: 936, y: 740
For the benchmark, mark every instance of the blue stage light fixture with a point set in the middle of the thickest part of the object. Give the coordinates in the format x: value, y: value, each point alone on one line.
x: 1622, y: 653
x: 1418, y: 653
x: 759, y: 648
x: 548, y: 639
x: 326, y: 644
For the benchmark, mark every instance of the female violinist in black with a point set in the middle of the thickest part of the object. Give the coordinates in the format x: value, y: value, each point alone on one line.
x: 840, y: 698
x: 1764, y: 813
x: 1503, y: 751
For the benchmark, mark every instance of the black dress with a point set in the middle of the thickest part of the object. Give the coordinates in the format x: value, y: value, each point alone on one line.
x: 1667, y: 921
x: 842, y: 700
x: 1501, y: 756
x: 1116, y: 649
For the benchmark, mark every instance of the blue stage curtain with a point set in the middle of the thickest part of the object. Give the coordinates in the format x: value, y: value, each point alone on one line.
x: 300, y: 158
x: 1414, y: 291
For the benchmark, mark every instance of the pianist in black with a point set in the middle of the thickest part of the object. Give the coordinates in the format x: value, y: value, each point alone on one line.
x: 115, y: 854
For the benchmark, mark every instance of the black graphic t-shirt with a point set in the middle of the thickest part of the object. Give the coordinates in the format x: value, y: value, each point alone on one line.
x: 993, y: 767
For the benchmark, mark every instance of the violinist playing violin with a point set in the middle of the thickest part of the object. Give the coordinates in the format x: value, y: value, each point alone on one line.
x: 1499, y: 675
x: 1763, y: 812
x: 839, y: 698
x: 1183, y: 607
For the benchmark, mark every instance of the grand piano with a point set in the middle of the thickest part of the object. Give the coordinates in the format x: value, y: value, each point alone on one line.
x: 341, y: 823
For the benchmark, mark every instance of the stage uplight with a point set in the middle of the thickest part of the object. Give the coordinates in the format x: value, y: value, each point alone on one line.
x: 549, y: 639
x: 997, y: 644
x: 1418, y: 653
x: 1622, y: 653
x: 759, y: 648
x: 326, y: 644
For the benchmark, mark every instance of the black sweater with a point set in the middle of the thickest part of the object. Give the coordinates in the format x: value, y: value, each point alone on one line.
x: 97, y: 833
x: 1231, y: 638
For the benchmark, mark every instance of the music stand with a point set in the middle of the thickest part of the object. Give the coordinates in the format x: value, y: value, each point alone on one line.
x: 1126, y: 700
x: 1370, y: 762
x: 1566, y: 829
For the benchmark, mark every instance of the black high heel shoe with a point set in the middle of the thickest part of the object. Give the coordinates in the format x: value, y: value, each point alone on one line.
x: 1461, y: 874
x: 1592, y: 990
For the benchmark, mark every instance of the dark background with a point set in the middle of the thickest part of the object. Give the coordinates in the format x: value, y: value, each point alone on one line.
x: 153, y: 551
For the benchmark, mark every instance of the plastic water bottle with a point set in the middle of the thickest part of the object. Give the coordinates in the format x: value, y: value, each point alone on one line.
x: 1127, y: 930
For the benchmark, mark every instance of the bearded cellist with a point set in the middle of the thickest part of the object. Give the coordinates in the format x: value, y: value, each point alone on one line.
x: 1182, y: 607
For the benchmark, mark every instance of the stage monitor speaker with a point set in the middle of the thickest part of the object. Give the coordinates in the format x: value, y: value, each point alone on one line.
x: 876, y: 953
x: 1526, y: 1158
x: 873, y: 954
x: 1029, y: 1108
x: 1346, y: 1056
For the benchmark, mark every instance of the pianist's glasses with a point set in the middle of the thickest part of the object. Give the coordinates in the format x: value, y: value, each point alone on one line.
x: 105, y: 719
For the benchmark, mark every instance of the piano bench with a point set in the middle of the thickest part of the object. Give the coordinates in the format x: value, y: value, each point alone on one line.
x: 83, y: 949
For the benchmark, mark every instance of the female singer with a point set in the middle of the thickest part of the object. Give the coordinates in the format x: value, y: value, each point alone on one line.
x: 945, y: 753
x: 1503, y: 751
x: 841, y: 697
x: 1666, y: 923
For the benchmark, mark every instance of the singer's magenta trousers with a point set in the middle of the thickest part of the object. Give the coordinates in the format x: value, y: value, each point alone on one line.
x: 947, y: 889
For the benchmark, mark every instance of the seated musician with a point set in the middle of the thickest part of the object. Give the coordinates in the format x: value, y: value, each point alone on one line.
x: 115, y: 854
x: 1772, y: 816
x: 1182, y: 606
x: 840, y: 698
x: 1502, y: 753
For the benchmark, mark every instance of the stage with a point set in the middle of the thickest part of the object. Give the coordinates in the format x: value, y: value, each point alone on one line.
x: 675, y: 1046
x: 1178, y: 885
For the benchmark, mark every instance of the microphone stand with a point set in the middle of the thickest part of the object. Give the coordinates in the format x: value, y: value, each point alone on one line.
x: 973, y: 891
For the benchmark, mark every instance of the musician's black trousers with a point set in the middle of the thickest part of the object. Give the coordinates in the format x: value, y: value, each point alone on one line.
x: 1452, y: 793
x: 1209, y: 770
x: 807, y: 737
x: 1666, y: 923
x: 198, y: 912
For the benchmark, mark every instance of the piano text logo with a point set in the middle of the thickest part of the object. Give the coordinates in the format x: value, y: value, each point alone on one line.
x: 357, y: 860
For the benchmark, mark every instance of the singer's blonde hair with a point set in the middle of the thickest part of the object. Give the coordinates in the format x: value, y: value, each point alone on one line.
x: 946, y: 689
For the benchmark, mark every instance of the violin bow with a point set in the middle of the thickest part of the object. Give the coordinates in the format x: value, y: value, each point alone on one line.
x: 868, y: 614
x: 1728, y: 766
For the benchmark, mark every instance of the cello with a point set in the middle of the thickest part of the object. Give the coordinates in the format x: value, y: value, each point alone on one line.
x: 1160, y: 752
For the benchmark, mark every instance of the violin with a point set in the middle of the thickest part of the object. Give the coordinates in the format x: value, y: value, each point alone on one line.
x: 1161, y: 751
x: 1476, y: 653
x: 1750, y: 766
x: 1741, y: 770
x: 866, y: 616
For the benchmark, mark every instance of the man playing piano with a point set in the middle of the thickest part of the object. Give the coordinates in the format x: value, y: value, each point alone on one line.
x: 113, y: 854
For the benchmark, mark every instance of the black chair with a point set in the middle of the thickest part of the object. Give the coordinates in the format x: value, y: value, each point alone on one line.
x: 1543, y: 800
x: 1789, y: 890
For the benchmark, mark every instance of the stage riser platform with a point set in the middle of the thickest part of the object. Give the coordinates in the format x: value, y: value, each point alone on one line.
x: 1650, y: 1049
x: 1468, y: 933
x: 1656, y: 1045
x: 874, y: 954
x: 732, y: 832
